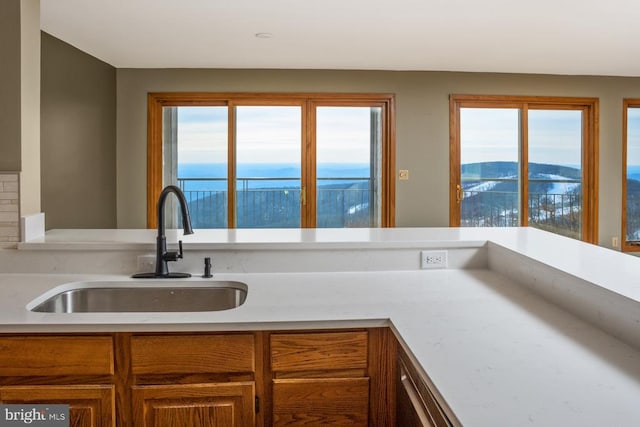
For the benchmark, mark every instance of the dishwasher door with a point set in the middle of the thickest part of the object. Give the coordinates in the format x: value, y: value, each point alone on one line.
x: 411, y: 410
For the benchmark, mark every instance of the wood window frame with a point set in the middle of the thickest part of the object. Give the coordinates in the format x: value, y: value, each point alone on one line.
x: 626, y: 246
x: 307, y: 101
x: 590, y: 133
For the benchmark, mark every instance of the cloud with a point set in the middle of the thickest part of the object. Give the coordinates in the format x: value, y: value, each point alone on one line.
x: 273, y: 134
x: 493, y: 134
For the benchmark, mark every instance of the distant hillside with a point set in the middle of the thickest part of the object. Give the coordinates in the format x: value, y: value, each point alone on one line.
x: 339, y: 205
x: 510, y: 169
x: 492, y: 190
x: 633, y: 209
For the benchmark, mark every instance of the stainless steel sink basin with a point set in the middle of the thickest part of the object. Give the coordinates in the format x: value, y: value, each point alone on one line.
x: 105, y: 297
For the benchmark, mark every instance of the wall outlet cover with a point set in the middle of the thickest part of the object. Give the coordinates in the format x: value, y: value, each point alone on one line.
x: 433, y: 259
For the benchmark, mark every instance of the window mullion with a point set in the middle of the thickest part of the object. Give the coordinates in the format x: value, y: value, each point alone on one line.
x: 231, y: 165
x: 455, y: 180
x: 308, y: 209
x: 524, y: 165
x: 589, y: 176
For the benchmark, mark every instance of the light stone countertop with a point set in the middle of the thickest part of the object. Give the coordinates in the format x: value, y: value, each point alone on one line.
x: 607, y: 268
x: 300, y: 238
x: 496, y: 352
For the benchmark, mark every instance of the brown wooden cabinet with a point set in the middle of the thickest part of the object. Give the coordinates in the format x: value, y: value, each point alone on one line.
x: 335, y: 377
x: 202, y: 405
x: 76, y: 371
x: 321, y: 401
x: 89, y: 405
x: 320, y: 378
x: 329, y: 378
x: 193, y: 380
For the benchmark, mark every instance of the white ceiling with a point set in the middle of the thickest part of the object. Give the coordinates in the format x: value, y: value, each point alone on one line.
x: 588, y: 37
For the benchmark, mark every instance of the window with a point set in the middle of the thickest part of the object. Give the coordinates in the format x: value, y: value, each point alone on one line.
x: 631, y: 176
x: 524, y: 161
x: 274, y: 160
x: 347, y: 193
x: 268, y: 169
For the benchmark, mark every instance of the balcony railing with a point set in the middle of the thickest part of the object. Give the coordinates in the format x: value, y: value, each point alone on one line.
x: 633, y: 216
x: 557, y: 212
x: 275, y: 202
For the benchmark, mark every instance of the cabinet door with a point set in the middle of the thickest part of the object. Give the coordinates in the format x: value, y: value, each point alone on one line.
x: 320, y: 378
x: 194, y: 405
x: 321, y: 401
x: 89, y: 405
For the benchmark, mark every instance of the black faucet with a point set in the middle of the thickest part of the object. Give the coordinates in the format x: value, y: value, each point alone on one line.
x: 162, y: 256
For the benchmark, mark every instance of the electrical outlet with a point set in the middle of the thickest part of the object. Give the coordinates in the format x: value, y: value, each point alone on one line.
x: 433, y: 259
x: 146, y: 263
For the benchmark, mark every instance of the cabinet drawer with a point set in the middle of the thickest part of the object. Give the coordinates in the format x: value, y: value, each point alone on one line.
x: 327, y: 401
x: 314, y: 351
x: 192, y: 354
x: 61, y: 355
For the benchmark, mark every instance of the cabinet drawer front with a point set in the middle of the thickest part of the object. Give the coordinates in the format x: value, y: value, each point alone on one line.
x: 192, y: 354
x: 313, y: 351
x: 328, y: 401
x: 34, y: 356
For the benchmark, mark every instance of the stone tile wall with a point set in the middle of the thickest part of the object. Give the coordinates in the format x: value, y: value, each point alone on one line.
x: 9, y: 209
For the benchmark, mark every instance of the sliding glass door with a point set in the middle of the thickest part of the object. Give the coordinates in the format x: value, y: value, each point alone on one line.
x: 275, y: 163
x: 524, y: 161
x: 348, y: 143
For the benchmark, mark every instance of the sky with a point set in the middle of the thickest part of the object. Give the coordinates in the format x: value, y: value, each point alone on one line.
x: 493, y: 134
x: 268, y: 134
x: 633, y: 137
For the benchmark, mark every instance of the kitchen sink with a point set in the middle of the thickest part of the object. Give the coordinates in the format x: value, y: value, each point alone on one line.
x: 144, y: 296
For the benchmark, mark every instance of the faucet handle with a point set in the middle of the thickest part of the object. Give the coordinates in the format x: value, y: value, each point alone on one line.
x: 173, y: 256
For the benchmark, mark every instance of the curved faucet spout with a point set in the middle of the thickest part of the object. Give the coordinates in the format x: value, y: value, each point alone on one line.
x: 162, y: 256
x: 186, y: 219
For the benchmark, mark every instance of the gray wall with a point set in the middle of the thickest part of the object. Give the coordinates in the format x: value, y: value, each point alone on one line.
x: 422, y: 135
x: 78, y: 138
x: 10, y: 91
